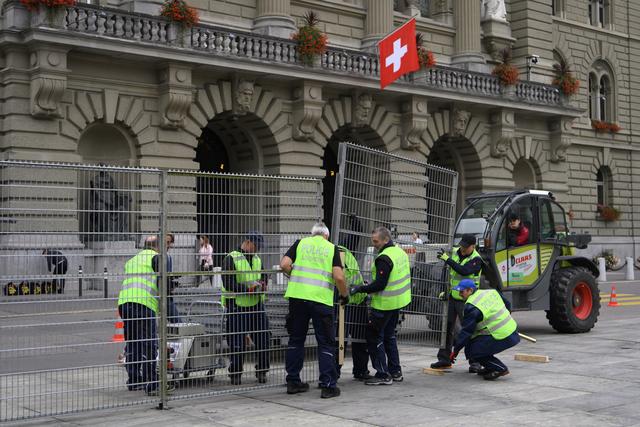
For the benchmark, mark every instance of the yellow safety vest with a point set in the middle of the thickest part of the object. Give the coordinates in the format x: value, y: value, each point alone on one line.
x: 246, y: 274
x: 140, y: 286
x: 312, y: 274
x: 455, y: 278
x: 353, y: 276
x: 397, y: 293
x: 496, y: 319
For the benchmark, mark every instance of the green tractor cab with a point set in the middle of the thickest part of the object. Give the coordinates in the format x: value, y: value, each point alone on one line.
x: 534, y: 264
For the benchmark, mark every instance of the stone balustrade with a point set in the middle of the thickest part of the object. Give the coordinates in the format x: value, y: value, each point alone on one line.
x: 213, y: 40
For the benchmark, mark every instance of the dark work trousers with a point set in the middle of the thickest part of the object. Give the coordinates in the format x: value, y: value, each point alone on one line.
x: 58, y: 284
x: 173, y: 315
x: 455, y: 311
x: 300, y: 312
x: 355, y: 321
x: 140, y: 334
x: 243, y: 321
x: 381, y: 341
x: 482, y: 349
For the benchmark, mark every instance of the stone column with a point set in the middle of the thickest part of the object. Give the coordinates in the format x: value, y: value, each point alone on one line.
x: 468, y: 53
x: 378, y: 23
x: 274, y: 18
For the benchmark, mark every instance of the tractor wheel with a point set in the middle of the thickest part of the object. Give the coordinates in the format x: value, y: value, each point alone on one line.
x: 575, y: 300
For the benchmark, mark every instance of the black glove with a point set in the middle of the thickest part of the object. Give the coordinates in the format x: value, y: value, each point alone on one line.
x: 443, y: 255
x: 343, y: 300
x: 355, y: 290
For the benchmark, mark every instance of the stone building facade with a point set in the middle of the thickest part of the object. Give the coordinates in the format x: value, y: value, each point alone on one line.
x: 111, y: 82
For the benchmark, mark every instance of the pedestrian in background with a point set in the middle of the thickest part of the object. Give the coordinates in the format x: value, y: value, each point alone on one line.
x: 205, y: 253
x: 487, y: 329
x: 243, y: 296
x: 57, y: 265
x: 315, y: 269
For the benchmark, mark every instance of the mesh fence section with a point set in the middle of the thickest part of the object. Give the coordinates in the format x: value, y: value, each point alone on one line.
x: 416, y: 202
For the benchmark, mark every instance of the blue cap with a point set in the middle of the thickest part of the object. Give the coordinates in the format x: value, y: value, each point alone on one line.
x: 255, y: 237
x: 465, y: 284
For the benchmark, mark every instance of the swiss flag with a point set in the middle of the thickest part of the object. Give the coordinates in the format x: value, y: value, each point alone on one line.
x: 398, y: 54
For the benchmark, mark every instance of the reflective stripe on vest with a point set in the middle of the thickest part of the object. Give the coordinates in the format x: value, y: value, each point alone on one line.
x: 397, y: 293
x: 455, y: 278
x: 312, y: 274
x: 496, y: 320
x: 353, y: 276
x: 246, y: 274
x: 140, y: 286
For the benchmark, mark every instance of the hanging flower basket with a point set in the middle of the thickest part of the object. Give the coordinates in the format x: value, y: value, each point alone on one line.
x: 426, y: 58
x: 34, y: 5
x: 311, y: 41
x: 564, y: 78
x: 607, y: 213
x: 602, y: 127
x: 506, y: 71
x: 180, y: 12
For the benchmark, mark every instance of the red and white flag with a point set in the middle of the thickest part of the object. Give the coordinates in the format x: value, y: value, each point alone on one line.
x: 398, y: 53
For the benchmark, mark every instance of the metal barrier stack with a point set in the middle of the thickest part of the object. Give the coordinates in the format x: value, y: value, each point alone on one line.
x: 374, y: 189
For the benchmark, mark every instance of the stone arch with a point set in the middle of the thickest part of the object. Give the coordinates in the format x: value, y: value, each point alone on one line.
x: 562, y: 48
x: 532, y: 152
x: 256, y: 134
x: 599, y: 50
x: 106, y: 143
x: 440, y: 125
x: 110, y: 108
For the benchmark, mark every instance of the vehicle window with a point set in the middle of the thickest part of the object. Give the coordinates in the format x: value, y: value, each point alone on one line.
x: 474, y: 218
x: 501, y: 243
x: 520, y: 224
x: 552, y: 220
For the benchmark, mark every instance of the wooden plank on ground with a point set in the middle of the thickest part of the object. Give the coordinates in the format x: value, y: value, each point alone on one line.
x: 431, y: 371
x: 532, y: 358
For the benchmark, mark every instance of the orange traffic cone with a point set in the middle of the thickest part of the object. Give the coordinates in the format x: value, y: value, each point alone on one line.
x: 118, y: 336
x: 613, y: 300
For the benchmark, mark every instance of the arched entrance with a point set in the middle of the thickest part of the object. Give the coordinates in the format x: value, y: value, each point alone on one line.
x: 357, y: 188
x: 230, y: 144
x: 524, y: 175
x: 458, y: 154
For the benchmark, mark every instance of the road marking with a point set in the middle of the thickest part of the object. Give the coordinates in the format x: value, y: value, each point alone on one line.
x: 603, y: 295
x: 629, y: 303
x: 622, y: 298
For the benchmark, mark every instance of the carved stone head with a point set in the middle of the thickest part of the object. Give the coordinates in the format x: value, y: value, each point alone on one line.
x: 362, y: 109
x: 459, y: 121
x: 244, y: 95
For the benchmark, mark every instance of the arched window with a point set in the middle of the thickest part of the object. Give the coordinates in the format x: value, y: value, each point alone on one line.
x: 604, y: 186
x: 602, y: 93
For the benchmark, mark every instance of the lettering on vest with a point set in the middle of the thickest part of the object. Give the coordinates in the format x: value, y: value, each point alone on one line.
x: 313, y: 253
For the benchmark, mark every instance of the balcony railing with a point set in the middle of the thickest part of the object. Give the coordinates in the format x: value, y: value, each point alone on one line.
x: 213, y: 40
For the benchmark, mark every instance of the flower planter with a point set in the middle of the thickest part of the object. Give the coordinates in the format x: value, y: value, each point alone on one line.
x: 52, y: 17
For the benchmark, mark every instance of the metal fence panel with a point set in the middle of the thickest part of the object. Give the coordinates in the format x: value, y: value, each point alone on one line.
x: 373, y: 189
x: 64, y: 347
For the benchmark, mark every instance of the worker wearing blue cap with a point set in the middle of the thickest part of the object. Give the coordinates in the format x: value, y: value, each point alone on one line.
x: 243, y: 295
x: 487, y: 329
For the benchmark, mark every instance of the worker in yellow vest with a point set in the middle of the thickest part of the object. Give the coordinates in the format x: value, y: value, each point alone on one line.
x: 391, y: 291
x: 138, y: 306
x: 243, y: 296
x: 487, y: 329
x: 314, y: 268
x: 464, y: 263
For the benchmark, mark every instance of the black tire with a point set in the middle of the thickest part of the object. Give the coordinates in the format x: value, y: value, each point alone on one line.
x: 566, y: 284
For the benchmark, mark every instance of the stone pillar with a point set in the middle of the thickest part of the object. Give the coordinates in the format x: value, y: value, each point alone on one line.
x: 468, y: 53
x: 274, y: 18
x: 378, y: 23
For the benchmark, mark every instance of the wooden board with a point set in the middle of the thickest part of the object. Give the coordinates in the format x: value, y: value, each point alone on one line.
x: 432, y: 371
x: 532, y: 358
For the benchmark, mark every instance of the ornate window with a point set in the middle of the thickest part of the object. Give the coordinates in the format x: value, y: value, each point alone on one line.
x: 600, y: 13
x: 604, y: 186
x: 601, y: 93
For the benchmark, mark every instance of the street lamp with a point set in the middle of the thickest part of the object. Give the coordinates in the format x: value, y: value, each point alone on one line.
x: 531, y: 60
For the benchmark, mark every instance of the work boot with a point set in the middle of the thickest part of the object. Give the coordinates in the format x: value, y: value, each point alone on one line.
x: 441, y: 364
x: 474, y: 367
x: 154, y: 390
x: 329, y: 392
x: 379, y: 381
x: 492, y: 376
x: 397, y: 377
x: 294, y: 388
x: 362, y: 377
x: 483, y: 371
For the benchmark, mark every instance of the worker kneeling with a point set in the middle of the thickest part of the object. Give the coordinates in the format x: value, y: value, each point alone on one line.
x: 487, y: 329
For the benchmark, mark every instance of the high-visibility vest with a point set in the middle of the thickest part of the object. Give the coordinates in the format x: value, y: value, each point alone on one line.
x: 496, y: 319
x: 397, y: 293
x: 140, y: 286
x: 352, y: 276
x: 246, y: 274
x: 455, y: 278
x: 312, y: 274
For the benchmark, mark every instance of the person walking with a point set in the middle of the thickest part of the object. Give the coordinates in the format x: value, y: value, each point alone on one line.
x: 243, y: 296
x: 205, y: 253
x: 464, y: 263
x: 355, y: 317
x: 138, y: 307
x: 57, y: 265
x: 314, y: 268
x: 391, y: 291
x: 487, y: 329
